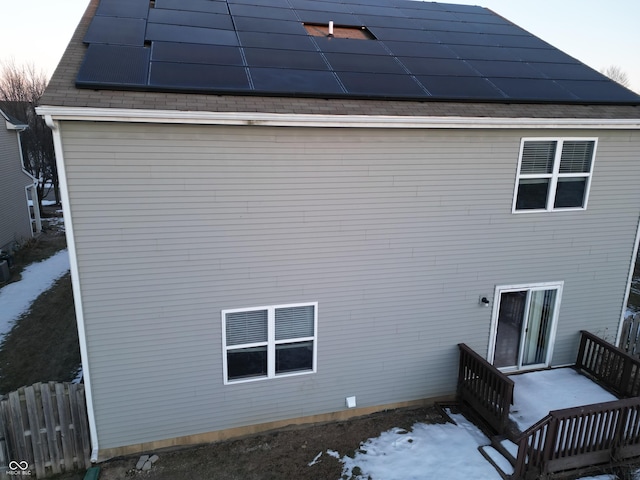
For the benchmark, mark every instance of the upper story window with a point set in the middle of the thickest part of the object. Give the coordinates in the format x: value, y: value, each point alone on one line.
x: 554, y: 174
x: 267, y: 342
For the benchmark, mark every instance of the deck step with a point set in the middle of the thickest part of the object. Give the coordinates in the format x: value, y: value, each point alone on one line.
x: 506, y: 447
x: 495, y: 458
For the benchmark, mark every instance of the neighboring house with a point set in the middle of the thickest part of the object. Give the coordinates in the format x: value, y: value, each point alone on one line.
x: 268, y: 225
x: 18, y: 222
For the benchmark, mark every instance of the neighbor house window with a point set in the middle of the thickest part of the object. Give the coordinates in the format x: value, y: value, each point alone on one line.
x: 554, y: 174
x: 268, y: 342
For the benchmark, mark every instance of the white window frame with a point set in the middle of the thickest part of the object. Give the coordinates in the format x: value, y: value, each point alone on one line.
x: 500, y: 289
x: 555, y: 175
x: 270, y: 343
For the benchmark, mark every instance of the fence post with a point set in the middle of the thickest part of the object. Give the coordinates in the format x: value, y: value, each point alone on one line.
x: 549, y: 444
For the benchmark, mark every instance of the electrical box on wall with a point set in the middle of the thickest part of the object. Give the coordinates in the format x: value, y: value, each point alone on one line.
x: 351, y: 402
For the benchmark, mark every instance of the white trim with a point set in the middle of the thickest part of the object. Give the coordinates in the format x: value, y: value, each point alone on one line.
x: 558, y: 286
x: 627, y: 292
x: 316, y: 120
x: 75, y: 282
x: 555, y: 175
x: 270, y: 343
x: 34, y: 193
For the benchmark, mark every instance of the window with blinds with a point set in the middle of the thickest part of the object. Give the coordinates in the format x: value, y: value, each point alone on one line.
x: 267, y: 342
x: 554, y: 174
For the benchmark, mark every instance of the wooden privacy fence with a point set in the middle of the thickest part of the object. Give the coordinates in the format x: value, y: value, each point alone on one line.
x: 630, y: 337
x: 611, y: 366
x: 484, y: 388
x: 578, y: 437
x: 45, y: 426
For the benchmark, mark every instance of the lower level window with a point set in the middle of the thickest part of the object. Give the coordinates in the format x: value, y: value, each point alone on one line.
x: 266, y: 342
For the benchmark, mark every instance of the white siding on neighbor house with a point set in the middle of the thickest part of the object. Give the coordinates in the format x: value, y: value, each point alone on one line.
x: 395, y: 233
x: 15, y: 220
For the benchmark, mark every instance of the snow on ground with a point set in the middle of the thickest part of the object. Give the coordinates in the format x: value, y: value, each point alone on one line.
x: 538, y: 393
x: 16, y: 298
x: 450, y: 452
x: 444, y: 452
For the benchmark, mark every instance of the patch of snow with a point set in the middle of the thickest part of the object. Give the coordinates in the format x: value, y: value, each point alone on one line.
x: 333, y: 453
x: 502, y: 463
x: 16, y: 298
x: 45, y: 203
x: 510, y: 447
x: 315, y: 460
x: 445, y: 451
x: 538, y: 393
x: 78, y: 377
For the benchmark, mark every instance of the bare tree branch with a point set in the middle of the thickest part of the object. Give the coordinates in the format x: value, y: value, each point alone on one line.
x: 21, y: 87
x: 618, y: 75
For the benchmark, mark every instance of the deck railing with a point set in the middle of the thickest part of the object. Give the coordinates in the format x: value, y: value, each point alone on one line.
x: 611, y: 366
x: 578, y: 437
x: 484, y: 388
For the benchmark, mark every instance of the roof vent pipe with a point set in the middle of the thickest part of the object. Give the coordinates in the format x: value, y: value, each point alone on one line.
x: 331, y: 28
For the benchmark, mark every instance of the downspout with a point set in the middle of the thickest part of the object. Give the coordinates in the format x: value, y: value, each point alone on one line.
x: 75, y: 282
x: 629, y: 280
x: 34, y: 188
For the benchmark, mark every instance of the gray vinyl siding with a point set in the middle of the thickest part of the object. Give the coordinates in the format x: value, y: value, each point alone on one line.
x: 395, y: 233
x: 15, y: 220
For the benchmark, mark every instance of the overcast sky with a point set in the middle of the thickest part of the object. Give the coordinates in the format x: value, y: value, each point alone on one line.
x: 595, y: 32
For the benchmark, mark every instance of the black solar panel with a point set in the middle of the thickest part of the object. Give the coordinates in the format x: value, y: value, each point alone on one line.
x: 124, y: 8
x: 296, y: 59
x: 344, y: 45
x: 191, y: 19
x: 344, y: 62
x: 251, y: 24
x: 439, y: 66
x: 408, y: 49
x: 531, y: 89
x: 301, y: 82
x: 314, y: 16
x: 196, y: 53
x: 266, y: 3
x: 116, y: 31
x: 208, y: 6
x: 505, y: 69
x: 183, y: 76
x: 460, y: 87
x: 372, y: 84
x: 263, y: 12
x: 184, y: 34
x: 114, y: 66
x: 276, y: 41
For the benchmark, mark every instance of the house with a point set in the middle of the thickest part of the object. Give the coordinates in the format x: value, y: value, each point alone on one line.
x: 286, y: 212
x: 17, y: 187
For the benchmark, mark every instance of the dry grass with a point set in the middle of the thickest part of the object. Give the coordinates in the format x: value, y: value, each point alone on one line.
x: 43, y: 344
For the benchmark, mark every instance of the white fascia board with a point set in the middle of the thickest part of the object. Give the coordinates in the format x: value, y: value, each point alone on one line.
x: 312, y: 120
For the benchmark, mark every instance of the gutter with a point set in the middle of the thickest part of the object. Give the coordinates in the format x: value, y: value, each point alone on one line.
x: 330, y: 121
x: 75, y: 282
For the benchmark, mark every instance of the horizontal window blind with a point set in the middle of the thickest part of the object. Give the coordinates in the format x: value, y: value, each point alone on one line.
x: 294, y: 322
x: 576, y: 156
x: 538, y: 157
x: 246, y: 327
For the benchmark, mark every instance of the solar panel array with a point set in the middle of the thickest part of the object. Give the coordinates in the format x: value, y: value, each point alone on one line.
x: 419, y: 50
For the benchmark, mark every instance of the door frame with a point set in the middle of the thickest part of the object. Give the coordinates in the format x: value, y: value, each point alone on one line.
x: 558, y: 286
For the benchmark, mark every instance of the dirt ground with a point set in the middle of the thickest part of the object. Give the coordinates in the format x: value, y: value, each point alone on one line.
x: 43, y: 344
x: 284, y: 454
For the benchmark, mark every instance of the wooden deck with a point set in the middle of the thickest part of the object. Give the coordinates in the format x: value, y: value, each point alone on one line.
x: 568, y: 439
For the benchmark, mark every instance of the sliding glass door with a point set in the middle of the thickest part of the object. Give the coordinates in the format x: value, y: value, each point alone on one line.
x: 524, y: 325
